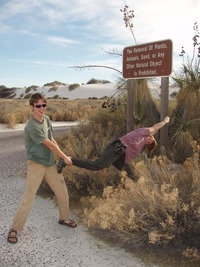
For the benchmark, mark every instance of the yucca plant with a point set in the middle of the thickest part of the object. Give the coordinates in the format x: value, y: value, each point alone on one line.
x: 185, y: 123
x: 188, y: 97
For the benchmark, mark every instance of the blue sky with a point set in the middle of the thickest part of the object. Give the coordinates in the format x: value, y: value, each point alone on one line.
x: 40, y: 39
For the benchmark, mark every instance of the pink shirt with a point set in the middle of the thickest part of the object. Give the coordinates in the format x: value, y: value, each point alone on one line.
x: 134, y: 142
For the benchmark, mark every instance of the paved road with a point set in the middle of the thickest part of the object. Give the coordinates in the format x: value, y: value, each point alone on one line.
x: 45, y: 243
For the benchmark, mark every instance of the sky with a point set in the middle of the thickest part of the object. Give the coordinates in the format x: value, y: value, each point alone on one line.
x: 40, y: 40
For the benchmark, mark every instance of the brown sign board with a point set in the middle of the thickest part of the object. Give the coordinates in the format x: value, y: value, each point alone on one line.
x: 148, y: 60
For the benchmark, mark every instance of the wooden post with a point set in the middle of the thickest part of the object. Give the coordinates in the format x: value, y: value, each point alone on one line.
x: 130, y: 106
x: 164, y: 100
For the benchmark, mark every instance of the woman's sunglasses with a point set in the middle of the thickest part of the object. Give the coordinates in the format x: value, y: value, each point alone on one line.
x: 39, y: 106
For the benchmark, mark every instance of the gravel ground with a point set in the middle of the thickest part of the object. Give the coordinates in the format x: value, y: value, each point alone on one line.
x: 44, y: 242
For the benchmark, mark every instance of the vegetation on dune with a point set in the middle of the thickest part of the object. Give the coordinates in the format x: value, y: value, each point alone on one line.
x: 55, y: 83
x: 73, y: 86
x: 94, y: 81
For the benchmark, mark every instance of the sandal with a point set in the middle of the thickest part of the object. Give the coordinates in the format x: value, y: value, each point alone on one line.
x: 71, y: 223
x: 12, y: 238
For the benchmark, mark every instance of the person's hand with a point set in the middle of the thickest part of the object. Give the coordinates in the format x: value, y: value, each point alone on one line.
x: 68, y: 161
x: 166, y: 119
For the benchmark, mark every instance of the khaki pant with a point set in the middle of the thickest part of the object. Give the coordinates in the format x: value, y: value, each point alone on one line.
x: 35, y: 174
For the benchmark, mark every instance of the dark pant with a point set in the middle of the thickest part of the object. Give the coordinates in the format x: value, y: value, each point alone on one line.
x: 114, y: 154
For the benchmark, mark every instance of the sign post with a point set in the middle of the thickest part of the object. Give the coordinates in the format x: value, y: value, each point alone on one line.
x: 145, y: 61
x: 164, y: 98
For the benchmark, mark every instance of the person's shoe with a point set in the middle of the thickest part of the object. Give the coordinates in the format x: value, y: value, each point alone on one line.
x: 70, y: 223
x: 61, y: 164
x: 12, y: 236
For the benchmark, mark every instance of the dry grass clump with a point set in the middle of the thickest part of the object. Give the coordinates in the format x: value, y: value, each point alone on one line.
x: 14, y: 111
x: 71, y: 110
x: 83, y: 182
x: 163, y: 206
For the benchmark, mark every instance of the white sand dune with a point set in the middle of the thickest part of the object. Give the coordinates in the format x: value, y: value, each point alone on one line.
x: 86, y: 91
x: 62, y: 91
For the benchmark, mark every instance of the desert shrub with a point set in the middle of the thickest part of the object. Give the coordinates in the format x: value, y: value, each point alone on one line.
x: 114, y: 114
x: 56, y: 96
x: 71, y: 110
x: 32, y: 87
x: 162, y: 207
x: 27, y: 96
x: 94, y: 81
x: 27, y: 90
x: 14, y: 111
x: 186, y: 132
x: 73, y: 86
x: 55, y: 83
x: 53, y: 88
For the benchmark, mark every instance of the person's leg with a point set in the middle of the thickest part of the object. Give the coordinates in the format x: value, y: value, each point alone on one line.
x: 35, y: 174
x: 119, y: 162
x: 57, y: 183
x: 104, y: 161
x: 130, y: 172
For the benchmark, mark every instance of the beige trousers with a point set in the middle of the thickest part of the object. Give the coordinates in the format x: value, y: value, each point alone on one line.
x: 35, y: 175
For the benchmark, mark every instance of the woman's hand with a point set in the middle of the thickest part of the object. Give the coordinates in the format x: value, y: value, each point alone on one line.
x: 166, y: 119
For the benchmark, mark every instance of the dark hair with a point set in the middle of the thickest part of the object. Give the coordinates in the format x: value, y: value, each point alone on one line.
x: 35, y: 97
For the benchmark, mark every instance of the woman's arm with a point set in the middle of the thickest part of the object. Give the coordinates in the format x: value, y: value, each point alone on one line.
x: 156, y: 127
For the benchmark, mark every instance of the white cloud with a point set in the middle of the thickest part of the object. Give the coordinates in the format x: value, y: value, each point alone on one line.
x: 60, y: 41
